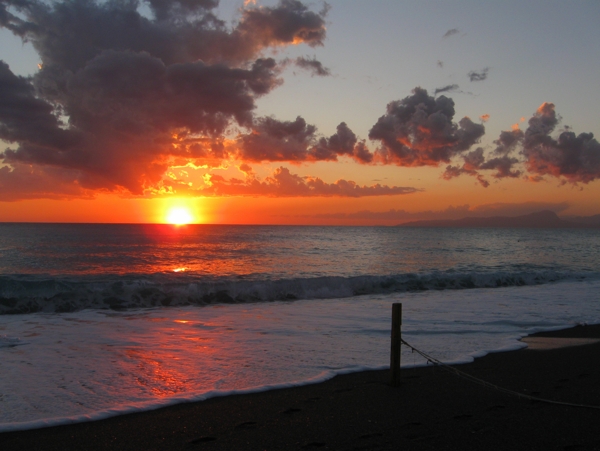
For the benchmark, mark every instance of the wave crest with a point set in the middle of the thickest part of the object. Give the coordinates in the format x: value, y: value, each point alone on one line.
x: 29, y: 294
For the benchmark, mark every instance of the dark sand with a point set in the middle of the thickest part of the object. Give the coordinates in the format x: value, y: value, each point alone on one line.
x: 433, y: 409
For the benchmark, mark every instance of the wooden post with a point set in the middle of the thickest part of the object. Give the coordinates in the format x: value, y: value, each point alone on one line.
x: 396, y: 344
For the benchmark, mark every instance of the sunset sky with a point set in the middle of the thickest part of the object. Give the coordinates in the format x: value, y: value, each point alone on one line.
x: 290, y: 112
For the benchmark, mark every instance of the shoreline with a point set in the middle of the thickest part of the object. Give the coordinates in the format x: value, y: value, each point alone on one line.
x: 431, y: 409
x: 120, y: 410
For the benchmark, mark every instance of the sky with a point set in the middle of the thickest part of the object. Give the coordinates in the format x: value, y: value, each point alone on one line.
x: 348, y: 112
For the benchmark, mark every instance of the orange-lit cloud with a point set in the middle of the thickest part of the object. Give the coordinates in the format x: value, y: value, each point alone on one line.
x: 283, y: 183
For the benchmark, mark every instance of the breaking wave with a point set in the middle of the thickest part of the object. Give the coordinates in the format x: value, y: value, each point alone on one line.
x: 21, y: 294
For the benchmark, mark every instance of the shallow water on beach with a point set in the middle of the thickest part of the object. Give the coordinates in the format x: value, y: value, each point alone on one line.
x: 150, y: 315
x: 60, y: 368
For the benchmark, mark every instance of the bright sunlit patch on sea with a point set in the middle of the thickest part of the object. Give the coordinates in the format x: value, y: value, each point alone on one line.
x: 97, y: 363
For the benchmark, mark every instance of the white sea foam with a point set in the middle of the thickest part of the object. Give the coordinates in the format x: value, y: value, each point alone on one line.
x: 35, y: 293
x: 93, y: 364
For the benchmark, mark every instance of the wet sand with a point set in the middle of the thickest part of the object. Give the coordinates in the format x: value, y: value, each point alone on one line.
x: 432, y: 409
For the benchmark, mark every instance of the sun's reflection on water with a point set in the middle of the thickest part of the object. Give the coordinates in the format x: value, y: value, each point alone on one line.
x: 173, y: 356
x: 157, y: 375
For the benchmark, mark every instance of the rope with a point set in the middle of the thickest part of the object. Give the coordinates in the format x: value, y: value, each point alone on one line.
x: 471, y: 378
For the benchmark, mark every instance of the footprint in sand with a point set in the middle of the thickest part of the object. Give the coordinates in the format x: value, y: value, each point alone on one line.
x: 312, y: 445
x: 247, y: 425
x: 199, y: 440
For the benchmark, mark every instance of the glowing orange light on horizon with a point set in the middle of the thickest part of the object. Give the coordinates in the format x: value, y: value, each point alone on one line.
x: 180, y: 269
x: 179, y: 216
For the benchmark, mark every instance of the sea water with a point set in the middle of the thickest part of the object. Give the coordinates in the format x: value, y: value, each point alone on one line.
x: 100, y: 320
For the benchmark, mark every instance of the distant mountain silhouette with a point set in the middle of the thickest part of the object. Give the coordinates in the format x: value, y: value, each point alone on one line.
x: 543, y: 219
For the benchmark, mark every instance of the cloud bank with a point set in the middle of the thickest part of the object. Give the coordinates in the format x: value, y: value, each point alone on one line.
x: 535, y: 154
x: 282, y: 183
x: 121, y: 96
x: 130, y: 88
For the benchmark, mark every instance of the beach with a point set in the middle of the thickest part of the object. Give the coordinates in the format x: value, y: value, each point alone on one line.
x: 432, y: 409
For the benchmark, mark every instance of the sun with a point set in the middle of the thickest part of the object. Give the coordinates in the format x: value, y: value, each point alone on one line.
x: 179, y: 216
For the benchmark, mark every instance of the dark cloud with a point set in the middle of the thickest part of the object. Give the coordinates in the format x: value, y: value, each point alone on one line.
x: 478, y: 75
x: 447, y: 88
x: 282, y: 183
x: 472, y: 162
x: 541, y: 124
x: 419, y: 130
x: 475, y: 161
x: 139, y: 93
x: 343, y: 142
x: 504, y: 167
x: 361, y: 153
x: 274, y: 140
x: 68, y: 34
x: 313, y: 66
x: 508, y: 141
x: 451, y: 32
x: 23, y: 181
x: 26, y: 119
x: 124, y: 106
x: 290, y: 22
x: 172, y: 9
x: 570, y: 157
x: 574, y: 158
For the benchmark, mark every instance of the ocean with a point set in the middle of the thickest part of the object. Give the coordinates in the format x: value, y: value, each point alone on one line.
x: 98, y: 320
